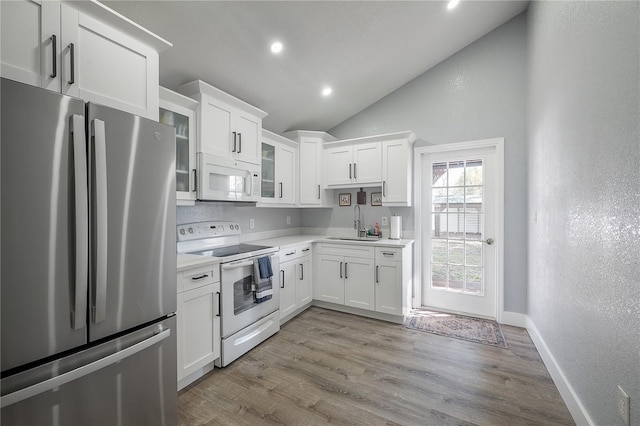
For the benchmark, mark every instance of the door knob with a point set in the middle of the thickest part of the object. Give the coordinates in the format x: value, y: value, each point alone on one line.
x: 489, y: 241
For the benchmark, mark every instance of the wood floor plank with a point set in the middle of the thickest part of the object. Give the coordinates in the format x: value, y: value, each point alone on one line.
x: 327, y: 367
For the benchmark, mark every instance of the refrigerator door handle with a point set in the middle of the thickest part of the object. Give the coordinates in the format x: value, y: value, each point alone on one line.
x: 78, y: 317
x: 85, y: 370
x: 100, y: 289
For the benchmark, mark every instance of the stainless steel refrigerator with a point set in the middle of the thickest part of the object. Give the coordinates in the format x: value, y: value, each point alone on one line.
x: 88, y: 263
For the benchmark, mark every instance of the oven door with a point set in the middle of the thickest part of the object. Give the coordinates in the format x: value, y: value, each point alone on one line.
x: 239, y: 308
x: 224, y: 179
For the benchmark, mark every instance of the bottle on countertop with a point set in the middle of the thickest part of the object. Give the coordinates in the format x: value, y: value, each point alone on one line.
x: 377, y: 230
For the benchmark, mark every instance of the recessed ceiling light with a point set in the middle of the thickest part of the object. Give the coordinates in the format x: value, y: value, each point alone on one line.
x: 276, y: 47
x: 452, y: 4
x: 326, y: 91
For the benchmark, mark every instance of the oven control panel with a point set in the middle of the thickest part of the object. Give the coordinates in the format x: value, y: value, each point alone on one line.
x: 200, y: 230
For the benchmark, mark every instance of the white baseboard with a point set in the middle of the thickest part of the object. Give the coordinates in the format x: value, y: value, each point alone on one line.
x: 515, y: 319
x: 577, y: 410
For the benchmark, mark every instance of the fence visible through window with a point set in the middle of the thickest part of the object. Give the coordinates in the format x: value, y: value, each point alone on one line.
x: 457, y: 226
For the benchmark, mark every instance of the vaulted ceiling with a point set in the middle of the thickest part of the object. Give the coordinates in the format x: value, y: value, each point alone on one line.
x: 363, y: 50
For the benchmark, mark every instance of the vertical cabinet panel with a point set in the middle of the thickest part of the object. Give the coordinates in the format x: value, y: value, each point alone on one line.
x: 396, y: 173
x: 288, y: 283
x: 330, y: 284
x: 358, y: 286
x: 304, y: 288
x: 367, y: 163
x: 248, y: 146
x: 389, y: 287
x: 338, y: 165
x: 215, y: 135
x: 310, y: 172
x: 28, y: 50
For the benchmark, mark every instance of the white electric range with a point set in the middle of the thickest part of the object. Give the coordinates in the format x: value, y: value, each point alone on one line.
x: 245, y: 323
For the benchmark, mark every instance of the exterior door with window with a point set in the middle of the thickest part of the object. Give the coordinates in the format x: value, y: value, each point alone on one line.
x: 459, y: 225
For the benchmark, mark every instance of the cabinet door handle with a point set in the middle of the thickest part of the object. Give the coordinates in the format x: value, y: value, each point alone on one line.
x: 200, y: 277
x: 282, y: 283
x: 290, y: 253
x: 54, y: 51
x: 345, y: 270
x: 377, y: 276
x: 301, y: 272
x: 318, y: 192
x: 384, y: 186
x: 340, y: 269
x: 386, y: 253
x: 280, y: 189
x: 239, y: 143
x: 234, y: 141
x: 355, y: 176
x: 72, y: 62
x: 195, y: 180
x: 306, y: 249
x: 350, y: 171
x: 219, y: 303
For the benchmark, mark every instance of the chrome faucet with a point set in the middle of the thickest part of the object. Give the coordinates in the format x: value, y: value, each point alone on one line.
x: 357, y: 222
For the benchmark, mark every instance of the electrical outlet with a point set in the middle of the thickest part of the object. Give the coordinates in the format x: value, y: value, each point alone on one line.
x: 252, y: 223
x: 624, y: 408
x: 385, y: 221
x: 288, y: 220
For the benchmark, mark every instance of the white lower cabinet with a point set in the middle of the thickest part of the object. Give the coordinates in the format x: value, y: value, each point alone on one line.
x: 345, y: 275
x: 389, y: 287
x: 358, y: 283
x: 198, y: 319
x: 363, y: 277
x: 295, y: 280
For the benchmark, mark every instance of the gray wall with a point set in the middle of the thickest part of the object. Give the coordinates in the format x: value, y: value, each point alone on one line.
x: 478, y: 93
x: 584, y: 157
x: 266, y: 219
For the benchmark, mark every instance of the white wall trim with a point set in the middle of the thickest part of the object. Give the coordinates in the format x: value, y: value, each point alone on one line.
x: 577, y: 410
x: 515, y: 319
x: 498, y: 144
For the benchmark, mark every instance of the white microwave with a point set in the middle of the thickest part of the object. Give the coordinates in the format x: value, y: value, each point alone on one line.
x: 225, y: 179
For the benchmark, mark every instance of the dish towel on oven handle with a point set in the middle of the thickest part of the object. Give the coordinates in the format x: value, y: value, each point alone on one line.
x: 262, y: 278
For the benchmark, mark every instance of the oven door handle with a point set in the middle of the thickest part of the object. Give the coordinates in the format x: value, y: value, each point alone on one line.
x: 229, y: 266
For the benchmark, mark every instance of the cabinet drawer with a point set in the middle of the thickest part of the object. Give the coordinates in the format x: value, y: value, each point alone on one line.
x: 346, y: 250
x: 289, y: 253
x: 388, y: 253
x: 198, y: 277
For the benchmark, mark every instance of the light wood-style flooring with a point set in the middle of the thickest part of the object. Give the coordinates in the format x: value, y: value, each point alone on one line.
x: 330, y: 367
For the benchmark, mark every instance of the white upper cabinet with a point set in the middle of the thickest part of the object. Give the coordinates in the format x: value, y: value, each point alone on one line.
x: 279, y: 169
x: 180, y: 112
x: 311, y: 192
x: 348, y: 164
x: 30, y: 42
x: 397, y: 175
x: 79, y: 49
x: 375, y: 161
x: 228, y: 127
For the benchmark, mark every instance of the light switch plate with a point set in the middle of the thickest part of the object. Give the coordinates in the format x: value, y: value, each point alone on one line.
x: 385, y: 221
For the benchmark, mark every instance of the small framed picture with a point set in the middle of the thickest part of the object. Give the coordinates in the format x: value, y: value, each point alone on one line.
x: 344, y: 199
x: 376, y: 198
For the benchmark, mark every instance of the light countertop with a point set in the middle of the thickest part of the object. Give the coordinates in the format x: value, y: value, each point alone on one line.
x: 290, y: 240
x: 188, y: 261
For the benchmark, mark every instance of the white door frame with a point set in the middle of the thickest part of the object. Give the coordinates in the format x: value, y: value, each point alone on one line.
x: 498, y: 144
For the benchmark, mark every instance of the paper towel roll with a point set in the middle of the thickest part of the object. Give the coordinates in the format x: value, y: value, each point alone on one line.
x: 396, y: 228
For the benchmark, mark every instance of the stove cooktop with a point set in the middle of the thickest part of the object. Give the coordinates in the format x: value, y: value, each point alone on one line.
x: 231, y: 250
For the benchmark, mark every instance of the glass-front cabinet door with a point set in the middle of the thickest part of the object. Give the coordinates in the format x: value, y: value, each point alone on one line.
x: 268, y: 183
x: 180, y: 112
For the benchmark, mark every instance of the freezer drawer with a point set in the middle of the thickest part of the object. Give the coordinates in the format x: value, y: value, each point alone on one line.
x: 131, y: 384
